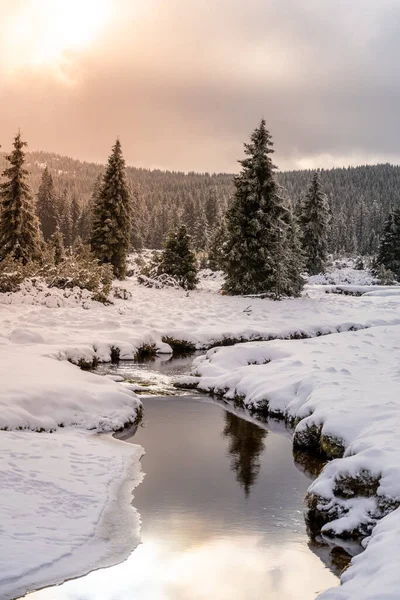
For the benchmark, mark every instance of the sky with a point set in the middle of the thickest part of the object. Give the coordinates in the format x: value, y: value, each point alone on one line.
x: 184, y: 82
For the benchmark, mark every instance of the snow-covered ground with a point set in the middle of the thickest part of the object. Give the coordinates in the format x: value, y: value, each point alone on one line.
x: 328, y: 381
x: 58, y: 511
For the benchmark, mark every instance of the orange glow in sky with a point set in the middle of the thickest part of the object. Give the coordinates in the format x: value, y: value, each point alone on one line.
x: 44, y: 32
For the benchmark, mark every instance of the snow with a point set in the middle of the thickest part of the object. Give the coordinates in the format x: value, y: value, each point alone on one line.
x: 58, y: 513
x: 40, y: 393
x: 348, y: 386
x: 348, y: 383
x: 343, y: 271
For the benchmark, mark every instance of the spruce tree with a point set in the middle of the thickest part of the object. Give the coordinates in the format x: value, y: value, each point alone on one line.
x: 64, y: 218
x: 256, y: 248
x: 216, y: 247
x: 178, y: 260
x: 46, y: 205
x: 110, y: 239
x: 314, y: 222
x: 389, y: 246
x: 57, y: 245
x: 20, y: 234
x: 75, y: 214
x: 200, y: 230
x: 212, y: 209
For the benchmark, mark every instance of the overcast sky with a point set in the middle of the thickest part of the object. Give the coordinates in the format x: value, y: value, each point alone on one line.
x: 183, y: 82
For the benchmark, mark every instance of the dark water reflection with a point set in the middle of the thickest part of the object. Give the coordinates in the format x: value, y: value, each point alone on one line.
x: 221, y: 509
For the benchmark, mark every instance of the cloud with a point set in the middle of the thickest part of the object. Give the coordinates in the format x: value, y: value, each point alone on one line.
x: 183, y: 84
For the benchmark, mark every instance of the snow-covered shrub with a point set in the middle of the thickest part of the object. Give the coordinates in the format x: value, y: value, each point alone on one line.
x: 82, y: 270
x: 121, y: 293
x: 77, y: 270
x: 385, y: 276
x: 12, y: 274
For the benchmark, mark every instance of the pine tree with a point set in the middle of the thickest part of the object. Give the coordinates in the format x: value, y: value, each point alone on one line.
x: 57, y: 245
x: 314, y: 222
x: 46, y: 205
x: 389, y: 247
x: 137, y: 225
x: 75, y: 214
x: 256, y: 249
x: 110, y: 239
x: 20, y: 234
x: 178, y: 260
x: 64, y: 218
x: 216, y: 247
x: 212, y: 209
x: 200, y: 230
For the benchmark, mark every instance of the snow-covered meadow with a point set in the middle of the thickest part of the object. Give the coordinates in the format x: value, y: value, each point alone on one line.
x: 346, y: 382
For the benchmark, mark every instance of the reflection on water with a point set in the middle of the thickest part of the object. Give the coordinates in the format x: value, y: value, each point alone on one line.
x: 245, y: 447
x: 221, y: 509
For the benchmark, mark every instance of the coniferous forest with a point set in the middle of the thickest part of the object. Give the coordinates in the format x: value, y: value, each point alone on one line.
x: 359, y: 199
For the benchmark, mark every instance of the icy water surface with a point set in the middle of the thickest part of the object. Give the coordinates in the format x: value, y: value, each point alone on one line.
x: 221, y: 507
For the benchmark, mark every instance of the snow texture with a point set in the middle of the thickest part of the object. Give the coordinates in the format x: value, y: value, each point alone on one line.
x: 58, y: 512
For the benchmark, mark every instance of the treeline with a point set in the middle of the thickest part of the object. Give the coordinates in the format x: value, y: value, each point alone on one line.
x: 359, y: 198
x: 261, y: 241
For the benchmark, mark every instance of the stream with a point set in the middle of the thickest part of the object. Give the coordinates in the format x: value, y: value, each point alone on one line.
x: 221, y: 506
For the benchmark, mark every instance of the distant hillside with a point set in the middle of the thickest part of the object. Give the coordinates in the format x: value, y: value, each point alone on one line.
x: 360, y: 197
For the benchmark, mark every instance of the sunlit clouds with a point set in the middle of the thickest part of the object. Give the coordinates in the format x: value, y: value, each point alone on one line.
x: 51, y: 33
x: 184, y: 82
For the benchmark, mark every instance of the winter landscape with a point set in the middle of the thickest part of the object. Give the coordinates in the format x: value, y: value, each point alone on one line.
x: 199, y: 351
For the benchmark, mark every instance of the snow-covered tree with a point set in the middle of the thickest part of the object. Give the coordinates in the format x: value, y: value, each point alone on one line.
x: 64, y: 218
x: 212, y: 209
x: 111, y: 232
x: 178, y: 259
x: 75, y: 214
x: 389, y: 247
x: 257, y: 248
x: 20, y: 234
x: 57, y: 245
x: 314, y: 222
x: 216, y: 247
x: 46, y: 205
x: 200, y: 230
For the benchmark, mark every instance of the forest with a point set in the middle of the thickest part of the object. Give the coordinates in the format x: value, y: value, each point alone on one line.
x: 360, y: 198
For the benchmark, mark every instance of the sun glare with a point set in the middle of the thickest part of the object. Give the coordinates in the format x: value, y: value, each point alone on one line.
x: 47, y: 32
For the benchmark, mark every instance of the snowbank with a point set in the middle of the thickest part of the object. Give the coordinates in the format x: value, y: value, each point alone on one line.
x: 342, y: 393
x: 156, y: 319
x: 59, y: 513
x: 41, y: 393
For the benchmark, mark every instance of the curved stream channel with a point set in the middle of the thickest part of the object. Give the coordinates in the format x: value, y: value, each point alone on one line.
x: 221, y: 507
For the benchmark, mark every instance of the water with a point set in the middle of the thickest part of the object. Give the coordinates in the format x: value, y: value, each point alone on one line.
x: 221, y: 508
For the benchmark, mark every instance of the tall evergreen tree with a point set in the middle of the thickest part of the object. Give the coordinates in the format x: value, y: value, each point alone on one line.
x: 314, y: 222
x: 216, y: 247
x: 111, y: 232
x: 64, y: 218
x: 20, y: 234
x: 389, y: 247
x: 200, y: 230
x: 178, y: 260
x: 46, y: 205
x: 57, y: 245
x: 256, y: 249
x: 75, y: 214
x: 212, y: 209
